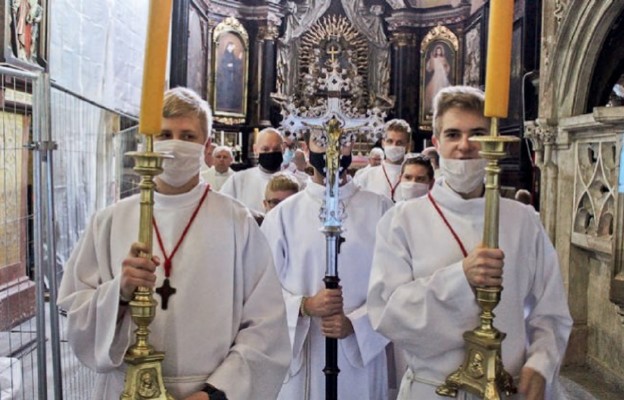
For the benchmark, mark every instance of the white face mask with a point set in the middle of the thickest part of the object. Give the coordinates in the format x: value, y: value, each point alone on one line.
x: 394, y: 153
x: 463, y: 176
x: 186, y: 163
x: 411, y: 190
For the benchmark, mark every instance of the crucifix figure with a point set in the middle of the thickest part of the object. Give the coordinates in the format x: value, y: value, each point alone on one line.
x: 165, y: 291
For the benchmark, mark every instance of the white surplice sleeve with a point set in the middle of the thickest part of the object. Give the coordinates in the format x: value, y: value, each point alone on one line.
x: 229, y: 187
x: 260, y: 354
x: 97, y: 331
x: 549, y: 322
x: 364, y: 345
x: 402, y: 306
x: 298, y: 326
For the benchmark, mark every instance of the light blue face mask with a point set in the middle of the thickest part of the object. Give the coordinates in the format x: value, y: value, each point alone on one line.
x: 288, y: 156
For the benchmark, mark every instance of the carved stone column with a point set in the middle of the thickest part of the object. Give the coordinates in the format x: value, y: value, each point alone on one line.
x: 267, y: 35
x: 404, y: 63
x: 544, y: 136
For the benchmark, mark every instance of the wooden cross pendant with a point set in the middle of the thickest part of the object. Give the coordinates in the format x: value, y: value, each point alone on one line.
x: 165, y: 291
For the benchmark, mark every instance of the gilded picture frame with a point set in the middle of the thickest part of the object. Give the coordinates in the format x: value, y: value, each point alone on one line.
x: 230, y: 70
x: 438, y: 69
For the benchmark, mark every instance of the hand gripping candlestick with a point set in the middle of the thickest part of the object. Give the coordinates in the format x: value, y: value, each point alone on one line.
x: 144, y: 378
x: 482, y: 372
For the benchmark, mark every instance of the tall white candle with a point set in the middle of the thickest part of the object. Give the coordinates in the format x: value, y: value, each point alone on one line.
x: 222, y: 138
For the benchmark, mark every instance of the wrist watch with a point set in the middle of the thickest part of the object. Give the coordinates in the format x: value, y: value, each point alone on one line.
x: 213, y: 392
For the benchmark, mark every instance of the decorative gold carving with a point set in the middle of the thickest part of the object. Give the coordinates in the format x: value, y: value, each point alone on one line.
x: 268, y: 32
x: 333, y: 38
x: 230, y: 120
x: 402, y: 39
x: 440, y: 32
x: 230, y: 24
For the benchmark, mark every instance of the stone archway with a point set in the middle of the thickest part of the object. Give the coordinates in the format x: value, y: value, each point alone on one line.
x: 576, y: 153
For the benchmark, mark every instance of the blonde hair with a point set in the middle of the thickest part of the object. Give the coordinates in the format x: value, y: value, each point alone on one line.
x: 184, y: 102
x: 398, y: 125
x: 281, y: 183
x: 465, y: 98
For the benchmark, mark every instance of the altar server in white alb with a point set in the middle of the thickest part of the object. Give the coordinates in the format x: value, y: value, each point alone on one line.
x: 293, y: 230
x: 248, y: 186
x: 428, y: 260
x: 220, y: 171
x: 385, y: 179
x: 224, y: 329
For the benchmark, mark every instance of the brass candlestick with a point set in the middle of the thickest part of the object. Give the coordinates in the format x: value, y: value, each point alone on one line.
x: 144, y: 378
x: 482, y: 372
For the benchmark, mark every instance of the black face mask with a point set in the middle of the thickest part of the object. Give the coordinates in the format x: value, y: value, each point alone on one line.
x: 317, y: 160
x: 271, y: 161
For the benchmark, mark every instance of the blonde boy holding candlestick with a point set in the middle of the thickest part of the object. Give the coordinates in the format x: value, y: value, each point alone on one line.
x: 223, y: 329
x: 428, y: 260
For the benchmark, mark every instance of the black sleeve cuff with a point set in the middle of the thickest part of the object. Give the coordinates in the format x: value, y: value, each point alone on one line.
x: 213, y: 392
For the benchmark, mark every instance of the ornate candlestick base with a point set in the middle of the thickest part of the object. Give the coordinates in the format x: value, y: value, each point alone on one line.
x: 482, y: 372
x: 144, y: 379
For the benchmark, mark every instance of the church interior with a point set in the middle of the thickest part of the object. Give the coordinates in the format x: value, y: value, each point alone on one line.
x: 70, y: 98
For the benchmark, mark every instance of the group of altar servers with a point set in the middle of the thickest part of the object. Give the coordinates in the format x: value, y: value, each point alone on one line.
x: 250, y: 312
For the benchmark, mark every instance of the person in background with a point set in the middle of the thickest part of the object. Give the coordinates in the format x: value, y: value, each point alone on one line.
x: 385, y: 179
x: 375, y: 158
x: 220, y: 171
x: 279, y: 188
x: 248, y: 186
x: 523, y: 196
x: 416, y: 176
x: 432, y: 153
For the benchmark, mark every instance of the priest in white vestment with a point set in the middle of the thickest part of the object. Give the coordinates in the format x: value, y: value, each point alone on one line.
x: 428, y: 262
x: 248, y: 186
x: 220, y: 171
x: 293, y: 230
x: 375, y: 158
x: 224, y: 330
x: 385, y: 179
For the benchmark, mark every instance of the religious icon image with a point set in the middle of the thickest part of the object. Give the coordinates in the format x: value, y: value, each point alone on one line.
x: 438, y: 68
x: 26, y: 15
x: 230, y: 74
x: 472, y: 57
x: 438, y: 72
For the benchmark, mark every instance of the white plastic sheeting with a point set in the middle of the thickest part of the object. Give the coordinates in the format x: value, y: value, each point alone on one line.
x: 97, y: 47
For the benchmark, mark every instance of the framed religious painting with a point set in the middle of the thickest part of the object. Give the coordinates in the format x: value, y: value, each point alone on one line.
x: 230, y: 56
x: 438, y: 64
x: 473, y: 53
x: 24, y: 30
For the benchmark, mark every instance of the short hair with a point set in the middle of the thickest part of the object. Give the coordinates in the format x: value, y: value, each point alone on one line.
x: 281, y: 182
x: 184, y: 102
x: 377, y: 151
x: 466, y: 98
x: 523, y: 196
x: 418, y: 159
x: 219, y: 149
x: 398, y: 125
x: 431, y: 152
